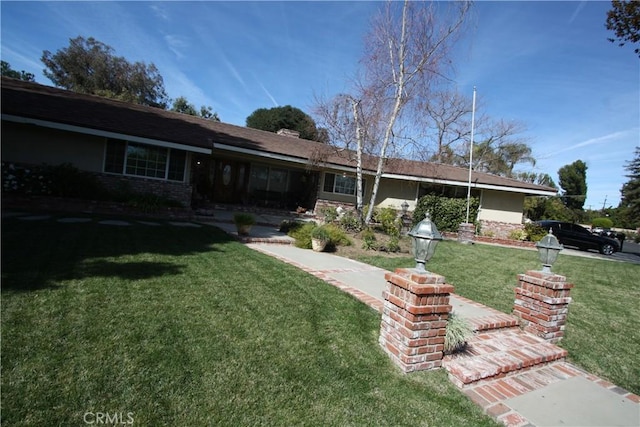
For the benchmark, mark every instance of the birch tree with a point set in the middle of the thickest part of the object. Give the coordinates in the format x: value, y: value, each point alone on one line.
x: 406, y: 51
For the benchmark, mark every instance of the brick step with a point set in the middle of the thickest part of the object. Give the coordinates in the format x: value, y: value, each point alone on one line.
x: 493, y: 322
x: 495, y: 354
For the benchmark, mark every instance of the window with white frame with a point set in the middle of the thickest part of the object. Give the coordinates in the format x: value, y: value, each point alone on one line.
x: 340, y: 184
x: 131, y: 158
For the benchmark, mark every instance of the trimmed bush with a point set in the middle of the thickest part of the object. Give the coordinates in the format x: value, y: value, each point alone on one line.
x: 447, y: 213
x: 602, y: 223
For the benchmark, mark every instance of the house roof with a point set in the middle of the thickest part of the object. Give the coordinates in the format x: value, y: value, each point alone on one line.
x: 45, y: 105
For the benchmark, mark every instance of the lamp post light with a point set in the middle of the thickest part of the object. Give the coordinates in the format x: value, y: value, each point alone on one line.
x: 548, y: 250
x: 425, y: 237
x: 405, y: 207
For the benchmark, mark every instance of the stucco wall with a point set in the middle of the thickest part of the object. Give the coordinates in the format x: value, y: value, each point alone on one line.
x: 394, y: 192
x: 501, y: 206
x: 37, y: 145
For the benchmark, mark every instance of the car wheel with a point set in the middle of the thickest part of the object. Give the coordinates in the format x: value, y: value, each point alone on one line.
x: 607, y: 249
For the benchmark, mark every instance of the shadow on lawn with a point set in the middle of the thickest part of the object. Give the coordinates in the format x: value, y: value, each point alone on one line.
x: 40, y: 255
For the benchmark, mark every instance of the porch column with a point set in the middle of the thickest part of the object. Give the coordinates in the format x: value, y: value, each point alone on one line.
x: 414, y: 319
x: 542, y: 304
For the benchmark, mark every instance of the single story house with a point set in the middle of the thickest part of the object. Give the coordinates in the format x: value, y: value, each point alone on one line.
x: 191, y: 159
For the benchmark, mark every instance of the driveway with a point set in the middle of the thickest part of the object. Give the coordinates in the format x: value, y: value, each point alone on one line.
x: 630, y: 253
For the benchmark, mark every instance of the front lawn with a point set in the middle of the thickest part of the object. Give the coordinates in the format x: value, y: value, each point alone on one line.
x: 603, y: 328
x: 181, y: 326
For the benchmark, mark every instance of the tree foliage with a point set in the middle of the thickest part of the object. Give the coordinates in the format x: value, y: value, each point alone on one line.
x: 624, y: 20
x: 20, y: 75
x: 90, y: 66
x: 630, y: 192
x: 573, y: 180
x: 287, y: 117
x: 536, y: 178
x: 182, y: 105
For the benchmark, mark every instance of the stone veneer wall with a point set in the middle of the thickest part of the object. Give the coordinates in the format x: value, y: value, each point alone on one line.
x: 498, y: 229
x: 177, y: 191
x: 323, y: 203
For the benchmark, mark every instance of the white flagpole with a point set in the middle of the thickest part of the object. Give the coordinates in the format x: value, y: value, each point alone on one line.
x: 473, y: 117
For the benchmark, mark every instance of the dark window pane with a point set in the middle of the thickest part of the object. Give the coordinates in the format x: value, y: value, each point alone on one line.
x: 114, y: 157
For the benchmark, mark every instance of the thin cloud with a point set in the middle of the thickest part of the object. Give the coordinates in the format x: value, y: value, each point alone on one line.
x: 273, y: 100
x: 160, y: 12
x: 577, y: 11
x: 593, y: 141
x: 176, y: 44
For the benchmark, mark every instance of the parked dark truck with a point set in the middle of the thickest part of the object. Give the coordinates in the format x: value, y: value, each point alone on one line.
x: 576, y: 235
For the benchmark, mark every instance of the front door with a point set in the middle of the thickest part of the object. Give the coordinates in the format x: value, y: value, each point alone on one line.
x: 230, y: 182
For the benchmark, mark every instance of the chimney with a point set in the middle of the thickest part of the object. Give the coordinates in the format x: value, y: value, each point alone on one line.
x: 289, y: 132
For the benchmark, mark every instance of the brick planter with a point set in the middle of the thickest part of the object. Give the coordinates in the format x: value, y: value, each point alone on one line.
x: 414, y: 319
x: 542, y: 304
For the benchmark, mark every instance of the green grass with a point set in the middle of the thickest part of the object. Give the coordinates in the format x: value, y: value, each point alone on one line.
x: 603, y: 327
x: 182, y: 326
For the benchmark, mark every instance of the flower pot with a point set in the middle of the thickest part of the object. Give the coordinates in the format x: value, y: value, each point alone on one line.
x: 318, y: 245
x: 243, y: 229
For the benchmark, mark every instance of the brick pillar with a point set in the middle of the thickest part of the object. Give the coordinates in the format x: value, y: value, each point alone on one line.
x: 414, y: 319
x: 542, y: 304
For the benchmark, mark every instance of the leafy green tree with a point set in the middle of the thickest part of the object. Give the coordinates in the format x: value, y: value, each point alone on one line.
x: 20, y: 75
x: 536, y: 178
x: 182, y: 105
x: 624, y: 20
x: 90, y: 66
x: 630, y: 203
x: 287, y: 117
x: 573, y: 180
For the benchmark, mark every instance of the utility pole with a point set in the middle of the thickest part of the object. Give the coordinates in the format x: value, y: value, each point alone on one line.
x: 604, y: 204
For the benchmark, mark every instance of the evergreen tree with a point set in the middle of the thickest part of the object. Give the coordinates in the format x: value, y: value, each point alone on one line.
x: 630, y: 192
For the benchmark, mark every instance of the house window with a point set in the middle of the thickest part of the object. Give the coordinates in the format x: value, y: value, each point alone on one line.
x: 131, y: 158
x: 341, y: 184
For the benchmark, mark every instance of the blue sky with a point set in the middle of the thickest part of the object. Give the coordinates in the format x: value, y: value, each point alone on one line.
x: 546, y: 64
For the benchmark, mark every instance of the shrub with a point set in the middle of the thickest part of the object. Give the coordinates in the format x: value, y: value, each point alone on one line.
x: 303, y: 235
x: 242, y: 218
x: 458, y: 332
x: 63, y: 180
x: 369, y: 240
x: 287, y: 225
x: 388, y: 220
x: 447, y: 213
x: 337, y: 236
x: 329, y: 213
x: 602, y: 222
x: 535, y: 232
x: 518, y: 235
x: 350, y: 222
x: 393, y: 245
x: 320, y: 233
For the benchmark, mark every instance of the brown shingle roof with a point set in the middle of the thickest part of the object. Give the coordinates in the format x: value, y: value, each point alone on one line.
x: 35, y: 101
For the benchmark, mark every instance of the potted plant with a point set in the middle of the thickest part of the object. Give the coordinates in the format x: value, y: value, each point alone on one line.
x: 243, y: 222
x: 319, y: 238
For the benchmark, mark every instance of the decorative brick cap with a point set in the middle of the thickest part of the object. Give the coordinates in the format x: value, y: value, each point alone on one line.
x: 419, y: 283
x: 422, y: 278
x: 550, y: 277
x: 547, y: 280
